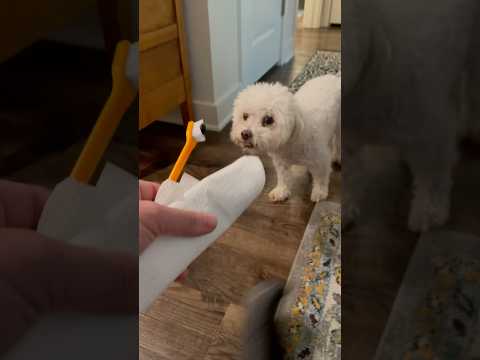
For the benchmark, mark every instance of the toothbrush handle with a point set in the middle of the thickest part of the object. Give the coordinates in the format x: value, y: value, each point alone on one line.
x: 182, y: 160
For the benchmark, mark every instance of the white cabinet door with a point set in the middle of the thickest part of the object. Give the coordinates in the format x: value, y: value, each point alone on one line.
x: 336, y: 14
x: 260, y: 37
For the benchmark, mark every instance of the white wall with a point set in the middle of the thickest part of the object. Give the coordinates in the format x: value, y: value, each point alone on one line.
x: 288, y: 31
x: 224, y: 41
x: 225, y: 50
x: 197, y: 30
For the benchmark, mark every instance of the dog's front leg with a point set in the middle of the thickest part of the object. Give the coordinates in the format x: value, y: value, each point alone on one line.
x: 353, y: 181
x: 432, y: 180
x: 281, y: 192
x: 321, y: 177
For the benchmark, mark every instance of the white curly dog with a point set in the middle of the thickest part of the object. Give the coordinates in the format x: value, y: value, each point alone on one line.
x: 301, y: 129
x: 402, y: 92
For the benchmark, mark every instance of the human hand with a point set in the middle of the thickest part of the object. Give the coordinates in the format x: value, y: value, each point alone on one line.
x: 157, y: 220
x: 39, y: 275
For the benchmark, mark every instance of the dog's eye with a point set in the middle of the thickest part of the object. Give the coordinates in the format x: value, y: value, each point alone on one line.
x: 267, y: 120
x: 245, y: 116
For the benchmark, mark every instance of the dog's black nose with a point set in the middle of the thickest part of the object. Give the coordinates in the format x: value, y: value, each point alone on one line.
x: 246, y: 134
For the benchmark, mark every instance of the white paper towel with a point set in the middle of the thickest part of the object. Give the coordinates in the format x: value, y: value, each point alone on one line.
x: 81, y: 214
x: 170, y: 191
x: 103, y: 216
x: 226, y: 194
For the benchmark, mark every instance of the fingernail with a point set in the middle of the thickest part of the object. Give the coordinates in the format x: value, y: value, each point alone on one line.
x: 210, y: 221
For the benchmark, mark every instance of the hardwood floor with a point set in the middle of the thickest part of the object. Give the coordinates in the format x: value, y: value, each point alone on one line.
x: 202, y: 318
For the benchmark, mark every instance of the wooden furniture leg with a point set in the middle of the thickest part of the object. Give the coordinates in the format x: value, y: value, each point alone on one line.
x: 186, y: 111
x: 186, y: 107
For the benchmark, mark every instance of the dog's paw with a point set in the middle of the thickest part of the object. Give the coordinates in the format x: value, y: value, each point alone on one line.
x: 319, y: 194
x: 280, y: 193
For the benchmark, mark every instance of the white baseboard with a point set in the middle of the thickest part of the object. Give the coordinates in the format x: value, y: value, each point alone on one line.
x: 217, y: 115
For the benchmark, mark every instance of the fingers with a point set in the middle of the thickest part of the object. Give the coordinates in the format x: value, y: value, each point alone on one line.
x: 98, y: 281
x: 16, y: 316
x: 21, y: 205
x: 52, y: 275
x: 156, y: 220
x: 148, y: 190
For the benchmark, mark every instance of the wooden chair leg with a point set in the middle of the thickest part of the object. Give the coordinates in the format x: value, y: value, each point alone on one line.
x: 186, y: 111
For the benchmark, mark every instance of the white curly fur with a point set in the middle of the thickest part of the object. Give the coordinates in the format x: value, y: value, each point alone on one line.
x: 306, y: 129
x: 403, y: 92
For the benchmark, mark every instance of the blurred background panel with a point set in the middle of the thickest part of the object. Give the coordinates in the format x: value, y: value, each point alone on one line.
x: 410, y: 152
x: 55, y: 65
x: 56, y: 77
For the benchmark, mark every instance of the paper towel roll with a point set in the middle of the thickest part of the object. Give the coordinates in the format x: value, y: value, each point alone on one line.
x: 226, y: 194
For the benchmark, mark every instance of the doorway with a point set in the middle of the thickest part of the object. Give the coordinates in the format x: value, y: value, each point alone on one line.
x: 323, y: 13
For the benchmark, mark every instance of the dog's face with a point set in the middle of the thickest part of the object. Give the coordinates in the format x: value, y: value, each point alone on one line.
x: 263, y: 118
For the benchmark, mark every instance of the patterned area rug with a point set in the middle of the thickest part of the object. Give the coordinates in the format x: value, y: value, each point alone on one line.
x: 308, y: 318
x: 321, y: 63
x: 436, y: 314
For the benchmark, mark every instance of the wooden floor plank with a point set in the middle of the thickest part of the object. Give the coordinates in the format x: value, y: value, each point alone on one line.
x: 224, y: 273
x: 189, y: 309
x: 227, y: 344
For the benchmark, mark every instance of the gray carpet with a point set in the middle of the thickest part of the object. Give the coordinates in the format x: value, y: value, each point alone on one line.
x: 321, y: 63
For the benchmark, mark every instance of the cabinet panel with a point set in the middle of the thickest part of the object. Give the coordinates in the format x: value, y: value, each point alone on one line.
x: 159, y: 65
x: 155, y: 14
